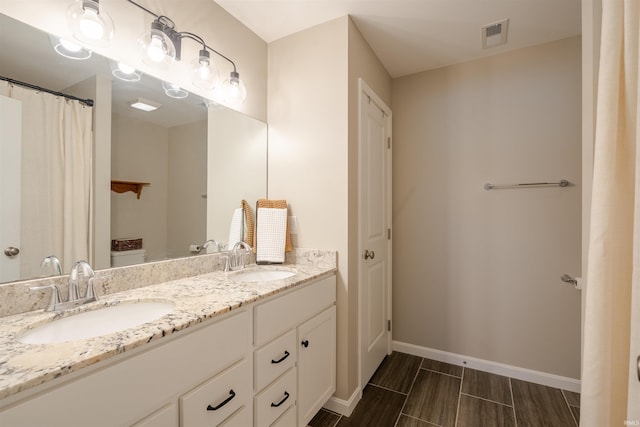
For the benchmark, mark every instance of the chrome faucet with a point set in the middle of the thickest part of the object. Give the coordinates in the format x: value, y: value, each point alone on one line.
x: 210, y: 242
x: 56, y: 304
x: 87, y: 273
x: 237, y: 257
x: 54, y: 261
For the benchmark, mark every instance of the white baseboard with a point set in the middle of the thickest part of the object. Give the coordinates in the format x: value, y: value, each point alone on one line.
x: 530, y: 375
x: 344, y: 407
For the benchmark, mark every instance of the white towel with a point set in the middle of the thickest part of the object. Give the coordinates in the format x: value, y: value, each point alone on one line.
x: 271, y: 234
x: 236, y: 231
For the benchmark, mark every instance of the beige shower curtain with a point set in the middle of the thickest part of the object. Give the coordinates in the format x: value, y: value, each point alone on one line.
x: 609, y: 381
x: 56, y: 178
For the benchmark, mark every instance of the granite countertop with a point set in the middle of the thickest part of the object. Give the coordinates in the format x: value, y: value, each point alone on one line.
x: 196, y: 299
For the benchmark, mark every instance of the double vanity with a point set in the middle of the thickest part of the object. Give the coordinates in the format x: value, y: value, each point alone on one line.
x: 251, y: 347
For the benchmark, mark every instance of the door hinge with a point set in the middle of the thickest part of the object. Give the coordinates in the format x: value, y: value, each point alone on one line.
x: 389, y: 142
x: 388, y: 234
x: 389, y: 325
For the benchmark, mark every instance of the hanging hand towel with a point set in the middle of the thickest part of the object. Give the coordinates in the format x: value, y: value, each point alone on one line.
x: 237, y: 227
x: 271, y: 227
x: 267, y: 203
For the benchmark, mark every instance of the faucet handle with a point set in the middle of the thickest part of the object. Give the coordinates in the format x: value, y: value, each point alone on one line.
x: 55, y: 295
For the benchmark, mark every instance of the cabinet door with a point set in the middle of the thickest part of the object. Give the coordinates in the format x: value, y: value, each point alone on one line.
x: 316, y: 364
x: 167, y: 416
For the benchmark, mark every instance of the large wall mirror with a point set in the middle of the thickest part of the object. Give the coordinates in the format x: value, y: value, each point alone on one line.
x: 196, y: 161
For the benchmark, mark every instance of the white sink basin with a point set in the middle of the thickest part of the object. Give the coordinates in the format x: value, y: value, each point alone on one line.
x: 260, y: 275
x: 94, y: 323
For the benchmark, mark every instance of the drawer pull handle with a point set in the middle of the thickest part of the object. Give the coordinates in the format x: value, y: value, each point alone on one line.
x: 232, y: 394
x: 275, y: 405
x: 305, y: 343
x: 286, y: 354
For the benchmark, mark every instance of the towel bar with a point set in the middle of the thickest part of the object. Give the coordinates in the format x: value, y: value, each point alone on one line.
x: 561, y: 183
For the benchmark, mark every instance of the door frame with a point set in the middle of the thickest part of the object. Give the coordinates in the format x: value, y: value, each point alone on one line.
x: 365, y: 90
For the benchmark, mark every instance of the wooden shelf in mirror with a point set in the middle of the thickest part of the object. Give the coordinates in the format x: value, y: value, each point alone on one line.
x: 124, y: 186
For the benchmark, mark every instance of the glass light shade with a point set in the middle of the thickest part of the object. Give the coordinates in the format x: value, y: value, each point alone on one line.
x: 204, y: 73
x: 69, y: 49
x: 90, y: 23
x: 124, y: 72
x: 174, y: 91
x: 234, y: 91
x: 156, y: 48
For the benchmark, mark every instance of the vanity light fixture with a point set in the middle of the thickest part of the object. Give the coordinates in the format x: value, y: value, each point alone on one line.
x: 144, y: 104
x: 69, y: 49
x: 90, y: 23
x: 124, y: 72
x: 162, y: 44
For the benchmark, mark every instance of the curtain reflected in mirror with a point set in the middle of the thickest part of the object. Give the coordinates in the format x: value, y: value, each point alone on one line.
x: 55, y: 149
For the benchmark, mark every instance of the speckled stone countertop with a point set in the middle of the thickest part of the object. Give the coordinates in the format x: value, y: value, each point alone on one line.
x: 196, y: 299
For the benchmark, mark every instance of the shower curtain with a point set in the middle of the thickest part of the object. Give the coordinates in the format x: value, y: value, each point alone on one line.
x: 56, y: 178
x: 610, y: 395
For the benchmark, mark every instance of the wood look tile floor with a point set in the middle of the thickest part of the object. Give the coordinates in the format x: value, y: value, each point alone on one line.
x: 409, y: 391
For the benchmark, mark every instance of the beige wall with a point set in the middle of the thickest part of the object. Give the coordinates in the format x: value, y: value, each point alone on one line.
x: 477, y: 272
x: 308, y: 155
x: 220, y: 30
x: 363, y: 63
x: 313, y: 124
x: 139, y: 152
x: 187, y: 183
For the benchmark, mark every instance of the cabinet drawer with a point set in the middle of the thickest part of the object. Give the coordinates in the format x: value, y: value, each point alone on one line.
x: 288, y: 419
x: 275, y: 317
x: 275, y: 399
x: 167, y: 416
x: 242, y: 418
x: 215, y: 400
x: 274, y: 359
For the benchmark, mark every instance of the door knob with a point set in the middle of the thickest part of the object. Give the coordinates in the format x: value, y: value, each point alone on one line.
x: 11, y: 251
x: 369, y: 254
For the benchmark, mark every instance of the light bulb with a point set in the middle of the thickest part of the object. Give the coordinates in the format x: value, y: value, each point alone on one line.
x: 69, y: 49
x: 205, y: 74
x: 155, y: 50
x: 127, y: 69
x: 234, y: 91
x: 173, y: 90
x: 90, y: 25
x: 70, y: 46
x: 124, y: 71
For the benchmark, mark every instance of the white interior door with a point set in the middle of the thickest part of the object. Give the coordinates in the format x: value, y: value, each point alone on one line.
x: 374, y: 231
x: 10, y: 177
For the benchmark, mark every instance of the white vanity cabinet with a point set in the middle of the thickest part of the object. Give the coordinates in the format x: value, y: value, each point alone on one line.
x: 167, y: 384
x: 295, y: 336
x: 267, y: 364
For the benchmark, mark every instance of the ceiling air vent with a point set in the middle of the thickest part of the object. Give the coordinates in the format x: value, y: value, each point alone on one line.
x: 495, y: 34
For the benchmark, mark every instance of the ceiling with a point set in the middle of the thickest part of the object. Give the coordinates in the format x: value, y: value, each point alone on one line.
x: 410, y: 36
